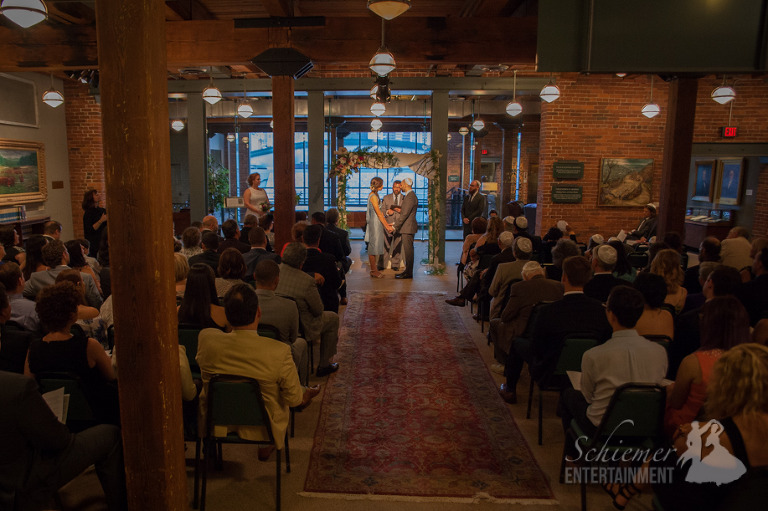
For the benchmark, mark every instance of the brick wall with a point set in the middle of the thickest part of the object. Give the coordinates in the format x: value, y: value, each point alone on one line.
x: 86, y: 158
x: 597, y: 117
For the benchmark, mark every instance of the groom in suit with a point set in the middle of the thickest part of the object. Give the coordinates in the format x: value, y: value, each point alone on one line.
x: 406, y: 226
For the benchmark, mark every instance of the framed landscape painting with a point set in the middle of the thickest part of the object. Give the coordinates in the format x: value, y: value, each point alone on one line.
x: 729, y: 181
x: 704, y: 184
x: 22, y: 172
x: 625, y: 182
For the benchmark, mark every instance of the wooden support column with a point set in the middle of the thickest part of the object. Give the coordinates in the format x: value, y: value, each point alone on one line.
x: 197, y: 154
x: 440, y: 144
x: 132, y: 65
x: 285, y: 191
x: 315, y: 134
x: 678, y: 142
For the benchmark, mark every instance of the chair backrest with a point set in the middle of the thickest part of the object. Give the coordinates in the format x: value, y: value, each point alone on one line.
x: 188, y: 338
x: 535, y: 309
x: 635, y: 412
x: 660, y: 339
x: 13, y: 347
x: 638, y: 260
x: 79, y: 411
x: 267, y: 330
x: 236, y: 401
x: 573, y: 350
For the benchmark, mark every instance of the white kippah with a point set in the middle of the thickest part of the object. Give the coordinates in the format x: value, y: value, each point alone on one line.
x: 524, y: 245
x: 521, y: 222
x: 562, y: 225
x: 509, y: 221
x: 597, y: 239
x: 506, y: 238
x: 606, y: 254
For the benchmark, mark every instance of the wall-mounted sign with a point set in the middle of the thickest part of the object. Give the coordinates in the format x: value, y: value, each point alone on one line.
x: 729, y: 131
x: 568, y: 169
x: 566, y: 194
x: 453, y: 179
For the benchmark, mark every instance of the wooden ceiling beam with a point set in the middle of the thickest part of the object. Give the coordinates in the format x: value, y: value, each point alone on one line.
x: 510, y: 41
x: 187, y: 10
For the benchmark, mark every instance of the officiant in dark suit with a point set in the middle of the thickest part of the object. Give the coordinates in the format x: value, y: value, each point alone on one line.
x: 407, y: 226
x: 474, y: 206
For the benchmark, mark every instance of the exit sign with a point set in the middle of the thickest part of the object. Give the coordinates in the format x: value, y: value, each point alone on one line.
x: 729, y: 131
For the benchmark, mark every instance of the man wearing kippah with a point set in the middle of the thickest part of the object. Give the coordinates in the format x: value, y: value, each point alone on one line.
x: 602, y: 281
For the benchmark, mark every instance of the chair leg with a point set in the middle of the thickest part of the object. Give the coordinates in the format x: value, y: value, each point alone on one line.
x: 196, y: 489
x: 541, y: 406
x: 293, y: 422
x: 530, y: 399
x: 311, y: 358
x: 287, y: 456
x: 278, y: 456
x: 206, y: 459
x: 219, y: 453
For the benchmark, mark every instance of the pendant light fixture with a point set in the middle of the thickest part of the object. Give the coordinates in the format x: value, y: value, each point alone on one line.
x: 463, y: 131
x: 211, y: 94
x: 550, y: 92
x: 25, y: 13
x: 53, y: 97
x: 651, y: 109
x: 383, y: 62
x: 478, y: 123
x: 514, y: 108
x: 376, y: 124
x: 389, y: 9
x: 724, y: 93
x: 378, y: 109
x: 244, y: 109
x: 231, y: 137
x: 177, y: 123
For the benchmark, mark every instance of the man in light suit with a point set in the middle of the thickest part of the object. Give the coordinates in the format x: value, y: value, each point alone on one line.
x: 56, y: 257
x: 318, y: 325
x: 243, y: 352
x: 390, y: 206
x: 280, y: 312
x: 407, y: 226
x: 474, y: 206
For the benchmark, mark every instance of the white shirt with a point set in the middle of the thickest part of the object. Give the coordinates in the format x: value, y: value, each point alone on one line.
x: 624, y: 358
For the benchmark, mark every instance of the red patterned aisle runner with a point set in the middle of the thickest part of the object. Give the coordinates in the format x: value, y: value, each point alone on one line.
x: 413, y: 414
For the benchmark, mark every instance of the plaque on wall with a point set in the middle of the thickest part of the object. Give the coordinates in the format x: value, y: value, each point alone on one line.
x: 568, y: 169
x: 566, y: 194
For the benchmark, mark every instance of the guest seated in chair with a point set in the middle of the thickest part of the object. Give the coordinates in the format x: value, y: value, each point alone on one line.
x: 603, y: 262
x: 507, y: 273
x: 199, y: 307
x: 68, y: 349
x: 655, y: 320
x: 625, y: 358
x: 243, y: 352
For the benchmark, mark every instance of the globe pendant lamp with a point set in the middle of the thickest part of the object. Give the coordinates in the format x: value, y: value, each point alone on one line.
x: 24, y: 13
x: 53, y: 97
x: 244, y: 110
x: 378, y: 109
x: 651, y: 109
x: 389, y: 9
x: 514, y: 108
x: 463, y: 131
x: 383, y: 62
x: 478, y: 125
x: 550, y: 92
x: 376, y: 124
x: 211, y: 94
x: 723, y: 94
x: 177, y: 125
x: 231, y: 137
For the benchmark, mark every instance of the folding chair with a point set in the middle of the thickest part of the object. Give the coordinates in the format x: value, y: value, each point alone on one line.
x: 235, y: 401
x: 570, y: 360
x: 80, y: 415
x: 634, y: 419
x: 638, y: 259
x: 188, y: 338
x: 271, y: 331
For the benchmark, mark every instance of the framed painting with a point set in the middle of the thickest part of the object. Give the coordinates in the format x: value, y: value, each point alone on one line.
x: 703, y: 187
x: 729, y: 181
x: 22, y: 172
x: 625, y: 182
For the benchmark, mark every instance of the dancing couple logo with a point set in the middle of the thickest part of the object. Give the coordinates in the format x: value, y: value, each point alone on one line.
x: 705, y: 460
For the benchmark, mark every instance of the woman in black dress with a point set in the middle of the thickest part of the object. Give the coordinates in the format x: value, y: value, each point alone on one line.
x: 94, y: 219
